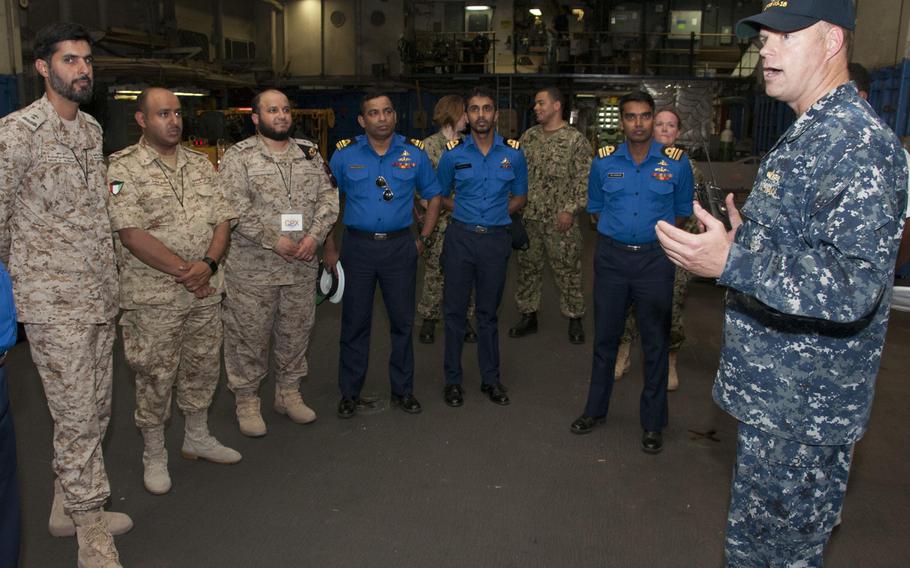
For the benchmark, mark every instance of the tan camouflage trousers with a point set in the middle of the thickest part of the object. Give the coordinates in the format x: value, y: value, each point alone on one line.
x: 563, y: 250
x: 677, y: 333
x: 75, y: 363
x: 167, y: 346
x: 430, y: 304
x: 255, y: 315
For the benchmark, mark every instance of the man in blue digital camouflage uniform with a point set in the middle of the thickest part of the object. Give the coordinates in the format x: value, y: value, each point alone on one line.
x: 808, y: 267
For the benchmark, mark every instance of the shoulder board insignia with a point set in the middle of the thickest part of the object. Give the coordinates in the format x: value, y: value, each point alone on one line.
x: 32, y: 119
x: 673, y: 152
x: 513, y: 143
x: 605, y: 151
x: 303, y: 142
x: 121, y: 153
x: 310, y: 149
x: 452, y: 143
x: 245, y: 143
x: 196, y: 152
x: 416, y: 142
x: 342, y: 144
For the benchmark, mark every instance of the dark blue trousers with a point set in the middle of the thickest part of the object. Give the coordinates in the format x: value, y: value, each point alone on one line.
x: 621, y: 277
x: 393, y: 264
x: 9, y: 482
x: 478, y: 261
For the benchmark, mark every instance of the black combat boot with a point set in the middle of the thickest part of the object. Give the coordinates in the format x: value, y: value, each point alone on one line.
x: 525, y: 326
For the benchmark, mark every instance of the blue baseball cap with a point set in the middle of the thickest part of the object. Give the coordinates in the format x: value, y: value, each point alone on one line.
x: 793, y: 15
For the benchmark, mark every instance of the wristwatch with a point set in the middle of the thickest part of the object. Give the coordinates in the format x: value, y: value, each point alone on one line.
x: 212, y: 264
x: 427, y: 240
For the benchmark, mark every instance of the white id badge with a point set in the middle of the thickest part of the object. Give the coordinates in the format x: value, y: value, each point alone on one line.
x: 291, y: 221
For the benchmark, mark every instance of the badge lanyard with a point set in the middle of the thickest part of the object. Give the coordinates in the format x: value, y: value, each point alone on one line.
x: 170, y: 183
x: 286, y: 182
x: 84, y: 168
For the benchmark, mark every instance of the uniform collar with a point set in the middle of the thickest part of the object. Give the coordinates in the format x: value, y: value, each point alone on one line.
x: 148, y: 155
x: 293, y: 150
x: 842, y: 93
x: 654, y: 151
x: 397, y: 142
x: 497, y: 140
x: 60, y: 131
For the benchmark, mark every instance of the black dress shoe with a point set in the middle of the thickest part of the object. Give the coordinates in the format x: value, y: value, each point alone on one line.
x: 454, y: 395
x: 584, y: 424
x: 347, y: 408
x: 497, y: 393
x: 525, y: 326
x: 408, y: 403
x: 652, y: 442
x: 427, y: 331
x: 576, y: 332
x: 470, y: 336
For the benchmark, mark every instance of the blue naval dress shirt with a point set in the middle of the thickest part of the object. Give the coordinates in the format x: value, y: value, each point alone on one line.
x: 484, y: 183
x: 404, y: 166
x: 631, y: 198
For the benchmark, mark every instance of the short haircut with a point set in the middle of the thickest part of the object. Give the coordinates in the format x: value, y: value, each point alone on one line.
x: 674, y: 112
x: 481, y: 92
x: 254, y: 104
x: 636, y: 97
x: 448, y: 110
x: 49, y: 36
x: 143, y: 97
x: 370, y: 95
x: 556, y: 95
x: 860, y: 76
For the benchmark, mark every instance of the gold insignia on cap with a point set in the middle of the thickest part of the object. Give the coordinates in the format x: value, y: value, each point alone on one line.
x: 605, y: 151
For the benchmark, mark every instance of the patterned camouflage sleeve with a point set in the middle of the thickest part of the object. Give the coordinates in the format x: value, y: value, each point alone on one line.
x: 233, y: 180
x: 582, y: 156
x: 327, y: 206
x: 698, y: 178
x: 14, y: 162
x: 843, y: 273
x: 123, y: 208
x: 222, y: 209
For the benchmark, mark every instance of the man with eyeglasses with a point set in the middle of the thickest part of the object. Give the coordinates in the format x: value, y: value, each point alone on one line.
x: 378, y: 174
x: 630, y: 188
x: 172, y: 226
x: 489, y: 176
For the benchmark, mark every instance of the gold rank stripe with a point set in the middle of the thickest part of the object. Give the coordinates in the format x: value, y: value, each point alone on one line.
x: 673, y: 153
x: 513, y: 143
x: 417, y: 143
x: 605, y: 151
x: 452, y: 143
x: 343, y: 144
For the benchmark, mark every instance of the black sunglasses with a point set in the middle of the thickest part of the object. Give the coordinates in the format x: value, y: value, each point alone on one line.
x: 387, y: 194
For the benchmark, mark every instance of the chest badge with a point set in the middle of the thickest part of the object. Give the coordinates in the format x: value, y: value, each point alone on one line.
x: 115, y: 187
x: 505, y: 164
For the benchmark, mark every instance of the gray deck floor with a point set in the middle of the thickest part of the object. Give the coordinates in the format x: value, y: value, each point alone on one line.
x: 479, y: 486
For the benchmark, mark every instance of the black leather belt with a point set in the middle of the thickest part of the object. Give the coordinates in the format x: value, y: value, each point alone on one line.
x: 630, y: 248
x: 481, y: 229
x: 379, y: 236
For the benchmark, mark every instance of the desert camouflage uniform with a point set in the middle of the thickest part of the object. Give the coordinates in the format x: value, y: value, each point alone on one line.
x: 430, y: 304
x: 268, y: 297
x: 168, y: 334
x: 680, y: 288
x: 558, y: 166
x: 55, y: 238
x: 809, y: 286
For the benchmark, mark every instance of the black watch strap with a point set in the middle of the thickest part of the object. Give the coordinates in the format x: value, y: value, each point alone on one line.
x: 212, y: 264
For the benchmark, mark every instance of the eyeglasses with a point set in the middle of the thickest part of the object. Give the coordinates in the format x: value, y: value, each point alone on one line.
x: 382, y: 184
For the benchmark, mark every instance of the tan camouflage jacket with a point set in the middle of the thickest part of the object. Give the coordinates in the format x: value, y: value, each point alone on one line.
x: 434, y: 145
x: 558, y: 167
x: 55, y: 235
x: 178, y: 207
x: 261, y: 193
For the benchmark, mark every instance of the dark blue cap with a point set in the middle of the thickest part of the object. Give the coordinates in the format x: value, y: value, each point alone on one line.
x: 793, y: 15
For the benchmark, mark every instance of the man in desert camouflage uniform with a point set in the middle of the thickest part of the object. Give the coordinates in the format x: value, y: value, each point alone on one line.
x: 809, y: 267
x: 172, y: 225
x: 55, y: 238
x: 451, y: 119
x: 559, y: 159
x: 286, y: 204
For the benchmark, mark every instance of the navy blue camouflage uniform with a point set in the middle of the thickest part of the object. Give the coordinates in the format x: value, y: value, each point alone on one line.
x: 809, y: 287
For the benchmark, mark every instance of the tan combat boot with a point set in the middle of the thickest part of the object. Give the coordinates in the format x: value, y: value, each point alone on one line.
x: 96, y: 545
x: 198, y: 443
x: 673, y: 379
x: 288, y: 401
x: 623, y: 360
x: 154, y: 462
x: 61, y: 525
x: 248, y: 416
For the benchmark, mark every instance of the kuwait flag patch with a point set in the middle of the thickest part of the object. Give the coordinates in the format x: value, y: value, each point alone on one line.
x: 115, y: 187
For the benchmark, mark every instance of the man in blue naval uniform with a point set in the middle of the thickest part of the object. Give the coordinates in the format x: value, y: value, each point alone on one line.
x: 808, y: 268
x: 630, y: 189
x: 378, y: 173
x: 489, y: 176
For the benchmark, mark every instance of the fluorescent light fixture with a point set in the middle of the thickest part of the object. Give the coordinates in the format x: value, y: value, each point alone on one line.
x: 126, y: 92
x: 536, y: 12
x: 187, y: 94
x: 125, y: 97
x: 476, y: 8
x: 584, y: 96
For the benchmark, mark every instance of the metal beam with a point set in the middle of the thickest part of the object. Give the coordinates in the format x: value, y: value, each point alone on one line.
x: 274, y: 4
